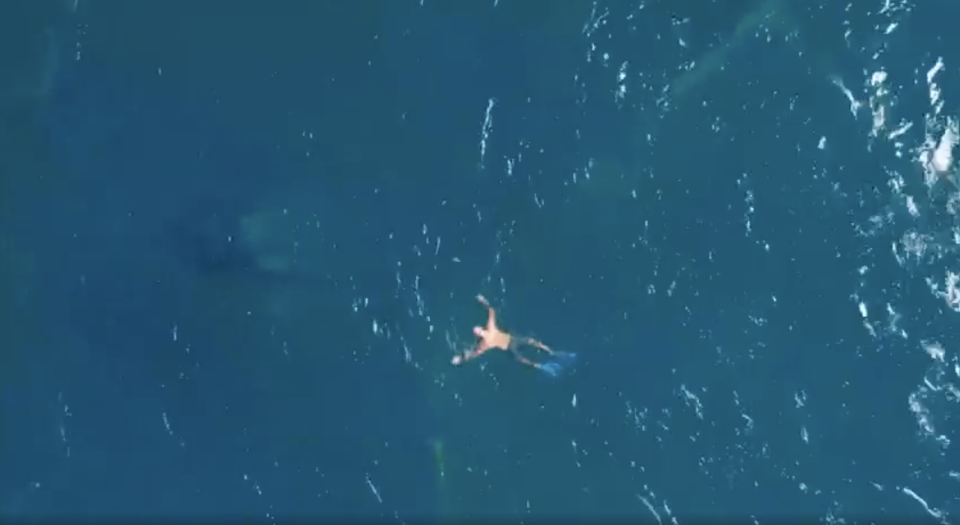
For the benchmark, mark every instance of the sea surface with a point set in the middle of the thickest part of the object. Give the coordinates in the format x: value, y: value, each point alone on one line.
x: 242, y: 241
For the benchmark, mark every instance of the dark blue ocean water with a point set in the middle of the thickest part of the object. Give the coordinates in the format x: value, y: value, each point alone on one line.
x: 249, y: 239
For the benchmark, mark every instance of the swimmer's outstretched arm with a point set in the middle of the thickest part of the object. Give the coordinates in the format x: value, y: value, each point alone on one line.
x: 470, y: 354
x: 464, y: 357
x: 491, y: 313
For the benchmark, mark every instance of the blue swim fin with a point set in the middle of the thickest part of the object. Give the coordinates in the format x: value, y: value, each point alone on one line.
x: 558, y: 363
x: 552, y: 368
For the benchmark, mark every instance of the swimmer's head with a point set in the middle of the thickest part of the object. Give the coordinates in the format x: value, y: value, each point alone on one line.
x: 477, y: 331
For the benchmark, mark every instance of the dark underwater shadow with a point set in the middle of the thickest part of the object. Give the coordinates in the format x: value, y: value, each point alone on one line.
x: 114, y: 276
x: 149, y: 308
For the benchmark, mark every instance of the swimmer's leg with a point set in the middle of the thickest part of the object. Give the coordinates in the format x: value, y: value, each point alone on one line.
x: 526, y: 361
x: 536, y: 344
x: 564, y: 359
x: 552, y: 368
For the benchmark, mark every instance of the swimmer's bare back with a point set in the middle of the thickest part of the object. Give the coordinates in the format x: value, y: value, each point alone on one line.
x: 491, y: 337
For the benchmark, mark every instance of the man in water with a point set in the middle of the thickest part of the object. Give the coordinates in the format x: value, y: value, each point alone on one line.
x: 492, y: 337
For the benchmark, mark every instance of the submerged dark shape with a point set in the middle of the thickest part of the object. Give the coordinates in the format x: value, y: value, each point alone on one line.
x: 223, y: 242
x: 207, y: 242
x: 29, y: 42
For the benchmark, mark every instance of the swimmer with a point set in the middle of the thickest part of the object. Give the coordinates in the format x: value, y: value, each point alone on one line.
x: 493, y: 338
